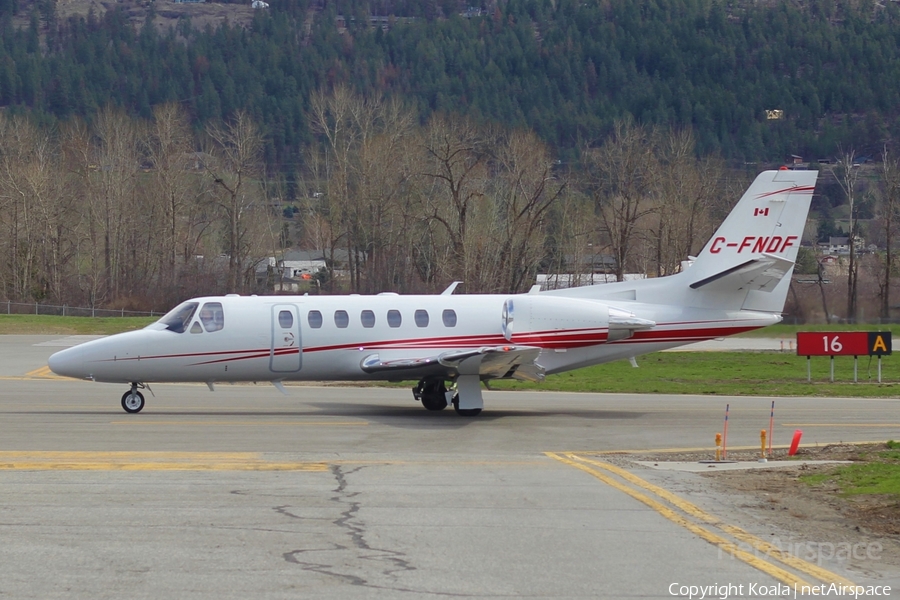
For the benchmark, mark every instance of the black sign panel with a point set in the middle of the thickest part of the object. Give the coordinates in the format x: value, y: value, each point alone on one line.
x: 879, y: 343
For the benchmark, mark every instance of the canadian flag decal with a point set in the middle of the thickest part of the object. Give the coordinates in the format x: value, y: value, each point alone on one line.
x: 761, y: 212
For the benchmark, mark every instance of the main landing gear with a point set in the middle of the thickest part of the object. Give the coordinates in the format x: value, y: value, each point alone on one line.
x: 433, y: 395
x: 133, y: 400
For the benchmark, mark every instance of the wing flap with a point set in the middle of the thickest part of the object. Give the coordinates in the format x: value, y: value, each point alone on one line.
x: 490, y: 362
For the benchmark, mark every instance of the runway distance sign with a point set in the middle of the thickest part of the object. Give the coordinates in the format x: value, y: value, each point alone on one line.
x: 843, y: 343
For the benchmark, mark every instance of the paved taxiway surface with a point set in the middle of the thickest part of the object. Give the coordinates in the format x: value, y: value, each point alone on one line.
x: 359, y: 492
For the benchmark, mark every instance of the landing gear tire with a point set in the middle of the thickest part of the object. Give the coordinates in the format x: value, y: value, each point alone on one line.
x: 432, y: 393
x: 464, y: 412
x: 434, y: 403
x: 132, y: 401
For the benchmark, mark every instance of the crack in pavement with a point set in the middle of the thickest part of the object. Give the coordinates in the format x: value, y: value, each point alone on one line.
x: 349, y: 523
x: 322, y: 568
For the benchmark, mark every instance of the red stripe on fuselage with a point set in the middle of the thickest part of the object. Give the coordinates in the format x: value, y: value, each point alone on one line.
x: 550, y: 340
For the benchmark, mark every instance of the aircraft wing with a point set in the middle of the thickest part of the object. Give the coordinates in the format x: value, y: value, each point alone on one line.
x: 490, y: 362
x: 762, y: 273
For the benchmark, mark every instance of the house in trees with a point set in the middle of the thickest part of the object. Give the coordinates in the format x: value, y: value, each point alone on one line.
x: 796, y: 162
x: 297, y: 271
x: 840, y: 246
x: 297, y: 263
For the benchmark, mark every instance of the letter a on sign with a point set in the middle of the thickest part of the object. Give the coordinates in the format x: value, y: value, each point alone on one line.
x: 879, y: 343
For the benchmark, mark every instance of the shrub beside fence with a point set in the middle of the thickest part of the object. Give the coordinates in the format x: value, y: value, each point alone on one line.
x: 35, y: 308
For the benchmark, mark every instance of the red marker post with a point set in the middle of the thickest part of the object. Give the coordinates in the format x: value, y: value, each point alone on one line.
x: 725, y: 433
x: 795, y: 443
x: 771, y: 425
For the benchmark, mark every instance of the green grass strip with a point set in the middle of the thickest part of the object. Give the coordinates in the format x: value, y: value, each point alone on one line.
x: 879, y: 476
x: 54, y: 325
x: 726, y: 373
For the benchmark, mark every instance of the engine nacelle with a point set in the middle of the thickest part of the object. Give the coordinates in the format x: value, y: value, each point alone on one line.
x: 555, y: 322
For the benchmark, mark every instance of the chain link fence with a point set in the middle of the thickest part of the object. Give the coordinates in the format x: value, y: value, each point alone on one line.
x: 35, y: 308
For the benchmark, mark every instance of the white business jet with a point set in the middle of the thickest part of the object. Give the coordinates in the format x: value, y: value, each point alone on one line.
x: 450, y: 343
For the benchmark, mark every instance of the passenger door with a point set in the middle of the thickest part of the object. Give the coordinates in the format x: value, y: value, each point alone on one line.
x: 286, y: 355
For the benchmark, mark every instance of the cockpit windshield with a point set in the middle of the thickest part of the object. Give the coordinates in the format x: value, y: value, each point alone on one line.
x: 178, y: 318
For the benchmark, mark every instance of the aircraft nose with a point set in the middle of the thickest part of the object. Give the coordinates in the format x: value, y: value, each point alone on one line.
x: 68, y: 363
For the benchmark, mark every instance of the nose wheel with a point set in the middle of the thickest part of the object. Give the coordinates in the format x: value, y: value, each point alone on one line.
x: 133, y: 400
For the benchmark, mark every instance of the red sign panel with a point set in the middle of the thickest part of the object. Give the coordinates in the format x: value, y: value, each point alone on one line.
x: 843, y: 343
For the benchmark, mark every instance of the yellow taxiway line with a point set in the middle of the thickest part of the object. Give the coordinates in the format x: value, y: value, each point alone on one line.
x: 148, y: 461
x: 244, y: 423
x: 43, y: 373
x: 37, y: 374
x: 684, y: 512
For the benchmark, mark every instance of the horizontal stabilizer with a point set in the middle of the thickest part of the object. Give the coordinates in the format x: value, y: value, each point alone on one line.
x: 762, y: 274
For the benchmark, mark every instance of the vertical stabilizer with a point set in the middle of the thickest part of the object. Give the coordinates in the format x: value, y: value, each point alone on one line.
x: 754, y: 250
x: 746, y: 265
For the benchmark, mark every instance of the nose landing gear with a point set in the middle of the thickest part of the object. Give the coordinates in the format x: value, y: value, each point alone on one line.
x: 133, y: 400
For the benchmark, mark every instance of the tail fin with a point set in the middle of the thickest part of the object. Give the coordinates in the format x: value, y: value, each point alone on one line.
x: 746, y: 265
x: 754, y: 250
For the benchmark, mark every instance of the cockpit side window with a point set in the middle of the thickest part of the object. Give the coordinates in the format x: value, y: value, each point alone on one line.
x: 178, y: 318
x: 212, y: 316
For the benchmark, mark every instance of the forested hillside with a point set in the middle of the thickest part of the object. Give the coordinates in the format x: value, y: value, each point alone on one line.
x: 565, y: 69
x: 144, y: 159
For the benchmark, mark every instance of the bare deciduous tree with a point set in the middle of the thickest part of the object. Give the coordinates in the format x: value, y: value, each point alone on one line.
x: 846, y: 172
x: 457, y: 156
x: 236, y: 152
x: 176, y: 188
x: 114, y: 177
x: 365, y: 162
x: 527, y: 190
x: 686, y: 189
x: 570, y: 241
x: 31, y: 212
x: 890, y: 204
x: 621, y: 177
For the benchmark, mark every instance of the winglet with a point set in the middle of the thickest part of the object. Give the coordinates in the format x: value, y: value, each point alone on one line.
x: 450, y: 288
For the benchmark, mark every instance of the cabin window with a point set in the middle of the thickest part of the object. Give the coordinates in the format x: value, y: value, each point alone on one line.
x: 285, y: 319
x: 394, y: 318
x: 195, y: 328
x: 368, y: 318
x: 178, y: 318
x: 212, y: 316
x: 315, y: 319
x: 449, y: 317
x: 341, y: 318
x: 421, y: 318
